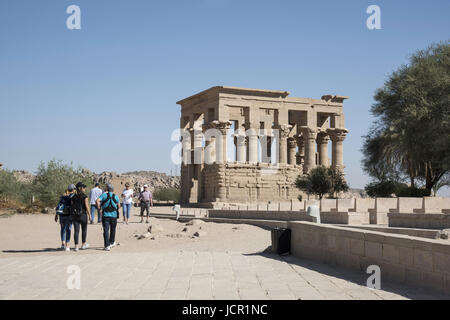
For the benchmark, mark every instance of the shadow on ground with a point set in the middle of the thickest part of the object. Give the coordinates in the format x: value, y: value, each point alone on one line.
x: 355, y: 277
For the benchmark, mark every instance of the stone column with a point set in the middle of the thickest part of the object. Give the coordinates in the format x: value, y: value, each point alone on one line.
x: 309, y: 137
x: 301, y: 150
x: 185, y: 146
x: 283, y: 133
x: 222, y: 153
x: 197, y: 139
x: 252, y: 134
x: 337, y: 136
x: 292, y: 150
x: 322, y: 146
x: 241, y: 148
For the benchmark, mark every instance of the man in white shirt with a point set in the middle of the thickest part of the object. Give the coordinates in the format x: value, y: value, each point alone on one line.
x: 127, y: 202
x: 93, y: 195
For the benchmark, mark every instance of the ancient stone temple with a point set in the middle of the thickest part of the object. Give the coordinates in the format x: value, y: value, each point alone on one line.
x: 249, y: 145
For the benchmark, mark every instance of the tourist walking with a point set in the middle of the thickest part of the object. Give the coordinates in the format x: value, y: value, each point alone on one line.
x: 63, y: 214
x: 110, y: 205
x: 80, y: 211
x: 93, y: 196
x: 127, y: 202
x: 145, y: 199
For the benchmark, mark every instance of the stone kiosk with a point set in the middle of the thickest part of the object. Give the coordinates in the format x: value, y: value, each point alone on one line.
x: 264, y: 124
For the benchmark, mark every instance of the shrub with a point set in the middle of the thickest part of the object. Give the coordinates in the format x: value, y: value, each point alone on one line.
x: 381, y: 189
x: 406, y: 191
x: 322, y: 180
x: 167, y: 194
x: 53, y: 178
x: 13, y: 191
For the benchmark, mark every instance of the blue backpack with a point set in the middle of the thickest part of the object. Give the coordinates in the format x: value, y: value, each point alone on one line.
x: 63, y: 207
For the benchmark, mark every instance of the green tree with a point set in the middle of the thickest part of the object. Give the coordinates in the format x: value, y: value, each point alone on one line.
x: 322, y: 180
x: 167, y: 194
x: 410, y: 139
x: 54, y: 177
x: 12, y: 190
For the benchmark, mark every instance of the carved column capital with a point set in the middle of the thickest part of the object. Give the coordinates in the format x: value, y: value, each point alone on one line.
x: 308, y: 133
x: 322, y: 138
x: 284, y: 130
x: 292, y: 142
x: 337, y: 134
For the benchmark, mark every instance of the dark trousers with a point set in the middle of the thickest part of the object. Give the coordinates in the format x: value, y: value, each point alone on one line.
x: 145, y: 206
x: 109, y: 230
x: 78, y: 221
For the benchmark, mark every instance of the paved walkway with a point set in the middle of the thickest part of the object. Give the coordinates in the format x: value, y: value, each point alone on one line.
x: 186, y: 275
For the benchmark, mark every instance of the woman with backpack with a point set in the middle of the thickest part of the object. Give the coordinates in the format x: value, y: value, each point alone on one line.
x: 65, y: 220
x: 80, y: 211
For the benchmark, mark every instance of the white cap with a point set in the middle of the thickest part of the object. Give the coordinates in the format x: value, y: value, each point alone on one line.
x: 145, y: 186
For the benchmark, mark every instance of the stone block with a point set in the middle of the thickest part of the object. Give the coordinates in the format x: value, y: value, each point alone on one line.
x: 390, y: 253
x: 357, y: 247
x: 373, y: 250
x: 434, y: 205
x: 433, y: 280
x: 344, y: 205
x: 342, y: 244
x: 363, y: 205
x: 385, y: 204
x: 328, y: 204
x: 441, y: 263
x: 413, y: 276
x: 393, y: 272
x: 423, y: 259
x: 298, y: 205
x: 406, y: 255
x: 407, y: 205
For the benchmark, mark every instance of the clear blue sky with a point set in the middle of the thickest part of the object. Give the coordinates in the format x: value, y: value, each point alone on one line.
x: 104, y: 96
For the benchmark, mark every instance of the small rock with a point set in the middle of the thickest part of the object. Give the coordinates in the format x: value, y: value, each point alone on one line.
x: 174, y: 235
x: 444, y: 234
x: 45, y: 210
x: 153, y: 228
x: 195, y: 222
x: 143, y: 236
x: 185, y: 229
x: 200, y: 234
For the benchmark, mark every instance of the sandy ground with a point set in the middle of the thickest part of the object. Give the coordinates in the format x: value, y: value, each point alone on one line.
x: 25, y: 234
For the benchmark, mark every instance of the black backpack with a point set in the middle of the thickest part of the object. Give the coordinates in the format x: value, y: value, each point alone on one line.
x: 67, y: 203
x: 110, y: 207
x: 77, y: 205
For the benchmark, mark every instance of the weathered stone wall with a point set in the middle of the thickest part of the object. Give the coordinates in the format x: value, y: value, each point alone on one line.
x: 412, y: 260
x: 260, y: 183
x: 419, y: 220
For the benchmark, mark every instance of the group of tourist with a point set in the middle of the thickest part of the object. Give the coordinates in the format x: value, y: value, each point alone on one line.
x: 77, y: 209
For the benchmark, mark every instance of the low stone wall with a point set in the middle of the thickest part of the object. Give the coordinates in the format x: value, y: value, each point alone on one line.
x: 263, y: 215
x: 345, y: 217
x: 422, y: 233
x: 404, y: 259
x: 420, y: 220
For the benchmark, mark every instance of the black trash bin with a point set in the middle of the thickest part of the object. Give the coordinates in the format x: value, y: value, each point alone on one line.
x: 281, y: 240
